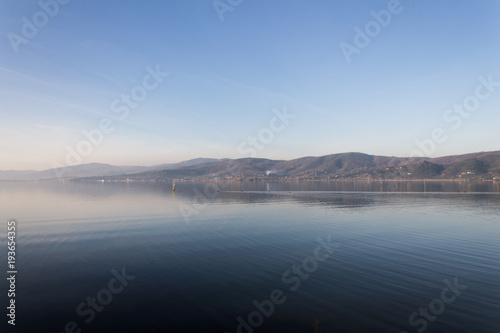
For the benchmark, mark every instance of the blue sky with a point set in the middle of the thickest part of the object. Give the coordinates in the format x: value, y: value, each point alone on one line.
x: 226, y: 78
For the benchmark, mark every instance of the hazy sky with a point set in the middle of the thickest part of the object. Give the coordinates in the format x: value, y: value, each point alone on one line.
x: 366, y: 76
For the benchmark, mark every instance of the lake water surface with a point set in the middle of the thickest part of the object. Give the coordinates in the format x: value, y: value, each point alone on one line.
x: 359, y: 257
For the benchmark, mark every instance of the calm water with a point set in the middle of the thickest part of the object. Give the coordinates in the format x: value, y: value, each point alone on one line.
x: 200, y: 262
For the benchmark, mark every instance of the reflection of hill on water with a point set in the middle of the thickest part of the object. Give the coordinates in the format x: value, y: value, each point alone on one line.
x: 347, y: 186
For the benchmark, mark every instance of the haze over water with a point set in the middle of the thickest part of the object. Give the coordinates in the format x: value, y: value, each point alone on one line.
x: 393, y: 250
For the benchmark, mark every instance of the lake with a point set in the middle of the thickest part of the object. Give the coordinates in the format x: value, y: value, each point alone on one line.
x: 254, y: 257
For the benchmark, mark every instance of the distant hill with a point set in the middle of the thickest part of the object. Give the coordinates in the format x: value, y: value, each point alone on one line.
x: 93, y: 170
x: 485, y: 165
x: 83, y: 170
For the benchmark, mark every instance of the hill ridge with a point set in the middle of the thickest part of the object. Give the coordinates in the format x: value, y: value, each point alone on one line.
x: 351, y: 165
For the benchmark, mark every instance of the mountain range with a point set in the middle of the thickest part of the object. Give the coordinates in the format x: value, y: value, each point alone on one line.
x: 483, y: 165
x: 93, y: 170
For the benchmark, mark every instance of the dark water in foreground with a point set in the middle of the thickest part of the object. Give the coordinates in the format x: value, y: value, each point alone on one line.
x: 200, y: 262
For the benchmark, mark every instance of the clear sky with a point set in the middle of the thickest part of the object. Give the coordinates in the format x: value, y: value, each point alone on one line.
x: 65, y: 69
